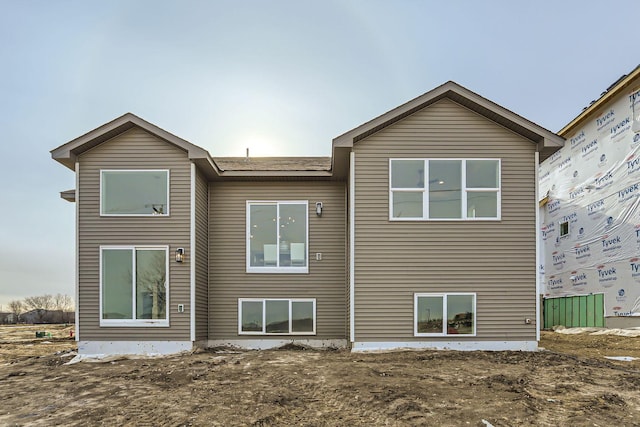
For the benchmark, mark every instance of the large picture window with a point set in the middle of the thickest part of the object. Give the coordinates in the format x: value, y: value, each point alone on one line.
x: 277, y: 237
x: 133, y: 286
x: 134, y: 192
x: 277, y: 316
x: 444, y: 189
x: 444, y: 314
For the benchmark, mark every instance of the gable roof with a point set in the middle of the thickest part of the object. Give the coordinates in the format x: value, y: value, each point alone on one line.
x: 547, y: 141
x: 335, y: 167
x: 221, y: 167
x: 67, y: 153
x: 624, y: 82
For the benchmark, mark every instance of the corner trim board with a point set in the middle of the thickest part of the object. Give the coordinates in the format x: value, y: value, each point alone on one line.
x: 538, y: 251
x: 192, y: 255
x: 77, y: 269
x: 352, y: 251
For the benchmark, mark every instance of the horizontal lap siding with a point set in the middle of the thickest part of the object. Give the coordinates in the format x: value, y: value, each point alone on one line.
x: 495, y: 259
x: 202, y: 257
x: 227, y: 260
x: 134, y: 149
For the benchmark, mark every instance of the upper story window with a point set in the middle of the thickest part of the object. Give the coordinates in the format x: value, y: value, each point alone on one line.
x: 134, y: 286
x: 277, y: 237
x: 444, y: 189
x: 134, y: 192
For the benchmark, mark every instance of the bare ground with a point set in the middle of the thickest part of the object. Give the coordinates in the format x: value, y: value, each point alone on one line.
x: 571, y: 383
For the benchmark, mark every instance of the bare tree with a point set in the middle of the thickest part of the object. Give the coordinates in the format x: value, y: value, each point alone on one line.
x: 41, y: 304
x: 17, y: 308
x: 44, y: 302
x: 64, y: 303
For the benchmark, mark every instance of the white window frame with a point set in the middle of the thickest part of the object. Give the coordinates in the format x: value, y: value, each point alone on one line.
x: 135, y: 322
x: 464, y: 191
x: 165, y: 214
x: 264, y: 316
x: 277, y: 268
x: 560, y: 226
x: 445, y: 316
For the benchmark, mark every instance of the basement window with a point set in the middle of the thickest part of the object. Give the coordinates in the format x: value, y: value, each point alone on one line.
x: 276, y: 316
x: 444, y: 314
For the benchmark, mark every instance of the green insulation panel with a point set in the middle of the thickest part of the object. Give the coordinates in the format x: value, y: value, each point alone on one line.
x: 573, y: 312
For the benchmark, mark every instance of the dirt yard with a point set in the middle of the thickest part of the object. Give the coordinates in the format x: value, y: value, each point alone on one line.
x: 571, y: 383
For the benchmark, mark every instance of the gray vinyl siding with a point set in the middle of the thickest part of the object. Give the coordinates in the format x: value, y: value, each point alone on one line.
x: 227, y: 261
x: 202, y: 256
x: 134, y: 149
x: 495, y: 259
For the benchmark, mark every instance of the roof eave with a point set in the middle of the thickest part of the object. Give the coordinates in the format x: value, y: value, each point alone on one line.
x: 68, y: 195
x: 287, y: 174
x: 67, y: 153
x: 464, y: 97
x: 605, y: 98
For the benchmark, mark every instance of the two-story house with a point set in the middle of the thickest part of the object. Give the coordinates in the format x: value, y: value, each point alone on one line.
x: 419, y: 231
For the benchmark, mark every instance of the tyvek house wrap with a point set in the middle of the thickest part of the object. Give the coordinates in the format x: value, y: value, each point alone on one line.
x: 593, y: 185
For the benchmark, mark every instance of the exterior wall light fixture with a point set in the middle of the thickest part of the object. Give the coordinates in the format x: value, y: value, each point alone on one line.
x: 319, y: 208
x: 180, y: 255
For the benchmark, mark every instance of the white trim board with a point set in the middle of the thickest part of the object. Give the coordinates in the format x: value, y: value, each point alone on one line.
x: 148, y: 348
x: 360, y: 347
x: 77, y: 248
x: 352, y: 246
x: 539, y: 260
x: 192, y: 255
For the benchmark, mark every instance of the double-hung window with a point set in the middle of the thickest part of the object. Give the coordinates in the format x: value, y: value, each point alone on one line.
x: 134, y: 192
x: 276, y: 316
x: 444, y: 189
x: 444, y: 314
x: 134, y: 286
x: 277, y: 237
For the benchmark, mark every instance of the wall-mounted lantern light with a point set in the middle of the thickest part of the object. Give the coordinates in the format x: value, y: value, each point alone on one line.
x: 319, y: 208
x: 180, y: 255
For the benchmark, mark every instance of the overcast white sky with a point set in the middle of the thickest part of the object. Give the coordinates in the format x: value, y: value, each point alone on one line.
x: 280, y: 77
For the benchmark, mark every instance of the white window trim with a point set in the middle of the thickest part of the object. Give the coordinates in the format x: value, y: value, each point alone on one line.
x: 264, y: 315
x: 464, y: 191
x: 135, y: 322
x: 275, y: 269
x: 444, y: 314
x: 135, y: 170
